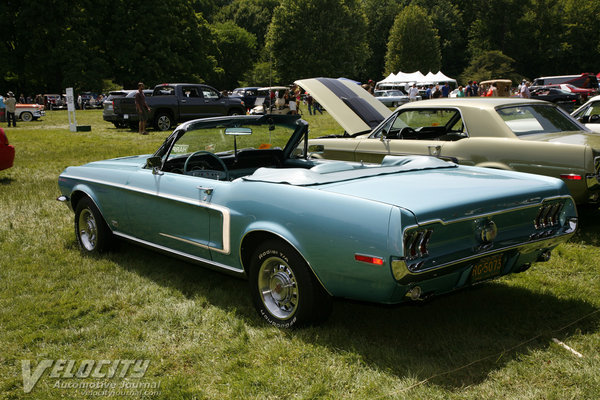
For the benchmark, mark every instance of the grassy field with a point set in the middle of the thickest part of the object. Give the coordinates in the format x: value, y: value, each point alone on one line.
x: 201, y: 338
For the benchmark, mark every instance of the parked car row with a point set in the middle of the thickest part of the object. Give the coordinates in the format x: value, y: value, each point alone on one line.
x: 405, y: 209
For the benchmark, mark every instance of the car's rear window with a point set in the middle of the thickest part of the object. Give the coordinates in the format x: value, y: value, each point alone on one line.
x: 537, y: 118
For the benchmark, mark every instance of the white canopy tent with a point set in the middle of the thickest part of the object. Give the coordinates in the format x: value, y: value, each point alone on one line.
x: 404, y: 79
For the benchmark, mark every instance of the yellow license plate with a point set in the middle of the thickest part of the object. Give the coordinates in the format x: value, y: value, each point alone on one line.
x: 487, y: 267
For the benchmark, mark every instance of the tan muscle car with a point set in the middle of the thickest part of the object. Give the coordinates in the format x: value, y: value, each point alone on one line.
x: 505, y: 133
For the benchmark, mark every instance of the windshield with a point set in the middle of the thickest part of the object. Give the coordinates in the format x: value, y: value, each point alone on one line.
x: 537, y: 118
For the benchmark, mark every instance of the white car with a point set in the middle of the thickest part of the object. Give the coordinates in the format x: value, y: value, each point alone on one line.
x: 589, y: 114
x: 29, y: 112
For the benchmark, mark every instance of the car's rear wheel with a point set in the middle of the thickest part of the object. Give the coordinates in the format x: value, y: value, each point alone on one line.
x: 284, y: 290
x: 236, y: 112
x: 26, y: 116
x: 163, y: 121
x: 93, y: 235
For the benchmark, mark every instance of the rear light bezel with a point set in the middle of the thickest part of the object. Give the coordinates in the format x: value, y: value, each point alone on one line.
x: 416, y: 243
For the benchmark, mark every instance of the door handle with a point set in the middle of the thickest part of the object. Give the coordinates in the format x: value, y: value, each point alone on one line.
x: 435, y: 150
x: 206, y: 190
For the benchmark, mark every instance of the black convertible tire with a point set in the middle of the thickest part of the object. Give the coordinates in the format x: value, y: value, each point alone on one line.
x: 163, y: 121
x: 93, y: 235
x: 285, y: 292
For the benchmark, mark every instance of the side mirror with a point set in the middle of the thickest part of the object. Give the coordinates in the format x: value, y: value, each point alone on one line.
x: 594, y: 119
x: 316, y: 148
x: 155, y: 163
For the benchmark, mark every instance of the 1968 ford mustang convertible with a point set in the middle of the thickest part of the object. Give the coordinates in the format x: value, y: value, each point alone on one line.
x: 242, y: 195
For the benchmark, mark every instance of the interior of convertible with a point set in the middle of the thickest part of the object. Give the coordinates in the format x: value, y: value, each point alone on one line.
x: 230, y: 151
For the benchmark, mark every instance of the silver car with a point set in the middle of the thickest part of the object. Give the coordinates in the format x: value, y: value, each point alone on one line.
x: 392, y: 98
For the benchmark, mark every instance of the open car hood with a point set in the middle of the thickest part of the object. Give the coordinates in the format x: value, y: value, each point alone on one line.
x: 355, y: 109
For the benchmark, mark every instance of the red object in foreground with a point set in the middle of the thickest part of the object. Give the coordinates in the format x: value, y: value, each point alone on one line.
x: 7, y: 152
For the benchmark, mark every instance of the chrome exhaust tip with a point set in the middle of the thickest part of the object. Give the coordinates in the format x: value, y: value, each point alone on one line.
x: 414, y: 293
x: 545, y: 256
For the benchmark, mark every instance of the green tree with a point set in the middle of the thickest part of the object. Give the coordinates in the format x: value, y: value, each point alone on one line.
x: 490, y: 64
x: 380, y: 17
x: 252, y: 15
x: 38, y: 55
x: 580, y: 37
x: 157, y: 41
x: 413, y: 43
x: 309, y: 38
x: 447, y: 18
x: 237, y: 49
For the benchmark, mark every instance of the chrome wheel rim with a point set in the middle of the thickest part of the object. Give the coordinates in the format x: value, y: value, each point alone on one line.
x: 278, y: 287
x: 88, y: 230
x: 164, y: 123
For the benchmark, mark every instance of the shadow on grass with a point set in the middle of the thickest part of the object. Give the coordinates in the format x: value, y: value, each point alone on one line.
x: 454, y: 340
x: 6, y: 181
x: 589, y: 228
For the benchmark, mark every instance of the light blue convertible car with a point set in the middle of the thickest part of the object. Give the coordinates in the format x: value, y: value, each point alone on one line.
x: 243, y: 195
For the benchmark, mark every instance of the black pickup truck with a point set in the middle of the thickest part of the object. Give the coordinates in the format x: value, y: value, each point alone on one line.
x: 171, y: 103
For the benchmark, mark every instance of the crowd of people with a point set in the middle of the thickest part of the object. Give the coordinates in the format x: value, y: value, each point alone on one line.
x: 472, y: 89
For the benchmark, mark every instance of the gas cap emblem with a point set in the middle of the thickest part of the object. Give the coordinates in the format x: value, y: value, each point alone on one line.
x: 488, y: 231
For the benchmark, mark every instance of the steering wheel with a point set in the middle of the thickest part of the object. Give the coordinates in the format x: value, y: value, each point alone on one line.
x: 194, y: 154
x: 407, y: 131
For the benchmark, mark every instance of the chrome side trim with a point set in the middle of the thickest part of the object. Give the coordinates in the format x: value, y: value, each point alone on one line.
x: 196, y: 202
x: 227, y: 268
x: 196, y: 243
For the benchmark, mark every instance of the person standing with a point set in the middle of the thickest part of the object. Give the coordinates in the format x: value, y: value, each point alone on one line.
x: 2, y: 109
x: 446, y: 90
x: 413, y: 92
x: 429, y: 92
x: 11, y: 107
x: 469, y: 89
x: 141, y: 108
x: 524, y: 91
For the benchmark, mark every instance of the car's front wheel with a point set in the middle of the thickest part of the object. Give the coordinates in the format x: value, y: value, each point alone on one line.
x: 26, y: 116
x: 284, y: 290
x: 93, y: 235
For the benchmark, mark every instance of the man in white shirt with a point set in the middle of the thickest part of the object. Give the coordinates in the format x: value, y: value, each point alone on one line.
x: 525, y: 90
x: 413, y: 92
